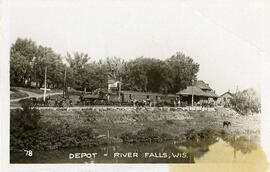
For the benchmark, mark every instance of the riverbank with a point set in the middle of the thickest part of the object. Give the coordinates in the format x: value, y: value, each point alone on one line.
x: 167, y: 120
x: 90, y: 127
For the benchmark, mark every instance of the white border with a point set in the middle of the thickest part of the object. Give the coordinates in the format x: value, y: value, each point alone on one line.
x: 4, y: 105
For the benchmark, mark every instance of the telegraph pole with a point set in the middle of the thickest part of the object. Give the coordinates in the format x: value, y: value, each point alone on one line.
x: 120, y: 85
x: 192, y: 96
x: 45, y: 84
x: 65, y: 86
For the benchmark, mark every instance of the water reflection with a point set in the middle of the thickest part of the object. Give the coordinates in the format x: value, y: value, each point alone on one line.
x: 203, y: 147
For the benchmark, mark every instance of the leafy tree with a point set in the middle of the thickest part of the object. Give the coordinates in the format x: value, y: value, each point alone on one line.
x: 28, y: 62
x: 46, y: 57
x: 78, y: 63
x: 21, y: 53
x: 135, y: 77
x: 114, y: 67
x: 246, y: 101
x: 154, y: 75
x: 182, y: 71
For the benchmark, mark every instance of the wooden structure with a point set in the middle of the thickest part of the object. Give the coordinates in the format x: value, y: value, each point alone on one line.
x: 129, y: 96
x: 225, y: 99
x: 201, y: 92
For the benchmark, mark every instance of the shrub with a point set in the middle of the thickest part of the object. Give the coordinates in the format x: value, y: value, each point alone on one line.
x: 246, y: 101
x: 27, y: 131
x: 27, y: 119
x: 24, y: 126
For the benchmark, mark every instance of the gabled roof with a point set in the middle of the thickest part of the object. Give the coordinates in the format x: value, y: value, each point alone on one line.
x: 211, y: 94
x: 202, y: 85
x: 228, y: 92
x: 197, y: 92
x: 189, y: 91
x: 171, y: 95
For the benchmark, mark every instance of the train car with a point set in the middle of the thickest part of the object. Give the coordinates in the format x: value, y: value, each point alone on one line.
x: 127, y: 98
x: 93, y: 99
x: 148, y: 98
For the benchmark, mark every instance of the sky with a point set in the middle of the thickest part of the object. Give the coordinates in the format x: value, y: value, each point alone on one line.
x: 223, y: 37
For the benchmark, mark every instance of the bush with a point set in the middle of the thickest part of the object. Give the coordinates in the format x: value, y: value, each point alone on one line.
x: 28, y: 118
x: 246, y: 101
x: 27, y: 131
x: 24, y: 126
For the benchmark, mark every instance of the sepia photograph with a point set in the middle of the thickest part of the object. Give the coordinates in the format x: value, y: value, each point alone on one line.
x: 135, y: 82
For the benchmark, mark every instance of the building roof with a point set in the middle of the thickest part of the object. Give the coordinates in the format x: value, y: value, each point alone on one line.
x: 172, y: 95
x: 197, y: 92
x: 189, y: 91
x: 211, y: 94
x: 202, y: 85
x: 228, y: 92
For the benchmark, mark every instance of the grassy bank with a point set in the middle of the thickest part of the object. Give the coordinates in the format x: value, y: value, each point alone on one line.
x: 59, y: 129
x: 171, y: 122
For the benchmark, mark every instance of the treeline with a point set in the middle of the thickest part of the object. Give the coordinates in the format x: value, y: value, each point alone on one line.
x: 28, y: 61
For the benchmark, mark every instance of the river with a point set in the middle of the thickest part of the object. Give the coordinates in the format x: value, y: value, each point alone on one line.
x: 207, y: 151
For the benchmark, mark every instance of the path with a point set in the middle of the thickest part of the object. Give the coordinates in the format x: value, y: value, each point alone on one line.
x: 31, y: 95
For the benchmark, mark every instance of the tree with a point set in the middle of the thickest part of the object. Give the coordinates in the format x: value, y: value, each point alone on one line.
x: 146, y: 74
x: 78, y: 64
x: 154, y: 75
x: 46, y: 57
x: 97, y: 76
x: 246, y: 101
x: 28, y: 61
x: 22, y: 53
x: 182, y: 71
x: 114, y: 67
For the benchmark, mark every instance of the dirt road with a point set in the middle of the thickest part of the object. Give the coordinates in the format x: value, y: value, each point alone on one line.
x: 31, y: 95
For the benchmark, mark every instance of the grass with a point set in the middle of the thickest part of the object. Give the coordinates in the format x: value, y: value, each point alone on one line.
x: 174, y: 123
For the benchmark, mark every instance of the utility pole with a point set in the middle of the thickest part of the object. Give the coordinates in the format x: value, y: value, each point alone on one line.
x: 45, y: 84
x: 119, y: 91
x: 65, y: 86
x: 192, y: 96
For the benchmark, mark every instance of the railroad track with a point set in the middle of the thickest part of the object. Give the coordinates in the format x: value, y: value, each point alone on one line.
x: 115, y: 108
